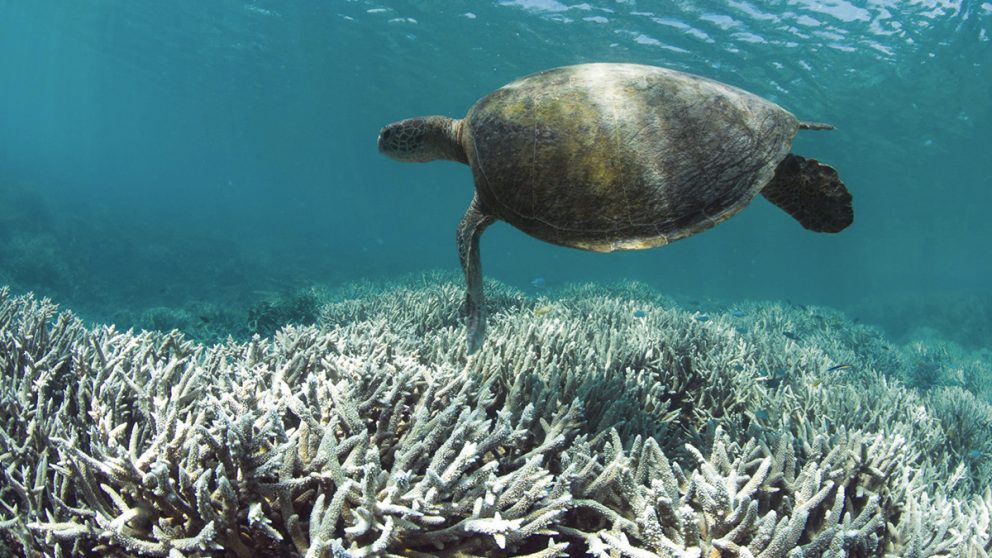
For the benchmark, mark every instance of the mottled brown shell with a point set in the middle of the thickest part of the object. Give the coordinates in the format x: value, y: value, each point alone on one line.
x: 621, y: 156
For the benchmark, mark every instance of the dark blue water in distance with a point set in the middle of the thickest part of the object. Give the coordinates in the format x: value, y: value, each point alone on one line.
x: 161, y: 154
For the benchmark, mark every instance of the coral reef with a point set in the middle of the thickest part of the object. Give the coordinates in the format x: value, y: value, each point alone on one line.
x: 30, y: 252
x: 210, y: 323
x: 300, y: 307
x: 966, y: 429
x: 965, y: 317
x: 73, y: 251
x: 601, y: 422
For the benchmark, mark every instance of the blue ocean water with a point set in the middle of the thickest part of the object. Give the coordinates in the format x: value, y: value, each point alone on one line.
x: 160, y: 154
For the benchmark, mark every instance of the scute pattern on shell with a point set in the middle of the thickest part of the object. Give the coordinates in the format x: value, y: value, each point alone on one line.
x: 621, y: 156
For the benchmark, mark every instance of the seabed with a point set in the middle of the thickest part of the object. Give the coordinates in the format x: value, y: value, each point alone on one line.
x: 595, y: 420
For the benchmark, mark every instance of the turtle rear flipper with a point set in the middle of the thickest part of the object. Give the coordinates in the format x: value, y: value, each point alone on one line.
x: 812, y: 193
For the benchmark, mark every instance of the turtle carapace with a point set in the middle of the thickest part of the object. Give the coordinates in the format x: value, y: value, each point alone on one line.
x: 610, y: 157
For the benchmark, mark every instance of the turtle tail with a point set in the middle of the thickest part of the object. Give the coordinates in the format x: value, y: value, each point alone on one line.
x: 815, y: 126
x: 812, y: 193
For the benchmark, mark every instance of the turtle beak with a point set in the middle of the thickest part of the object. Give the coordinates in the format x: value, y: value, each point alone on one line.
x: 384, y: 135
x: 379, y: 140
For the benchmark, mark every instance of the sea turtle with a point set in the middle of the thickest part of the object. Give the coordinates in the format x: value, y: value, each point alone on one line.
x: 612, y: 156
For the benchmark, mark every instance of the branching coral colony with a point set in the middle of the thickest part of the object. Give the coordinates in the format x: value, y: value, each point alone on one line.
x: 610, y: 423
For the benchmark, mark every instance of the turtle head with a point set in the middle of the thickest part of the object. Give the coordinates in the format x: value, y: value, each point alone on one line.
x: 418, y: 140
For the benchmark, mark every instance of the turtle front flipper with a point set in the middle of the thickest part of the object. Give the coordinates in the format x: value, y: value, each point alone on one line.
x: 812, y: 193
x: 469, y: 230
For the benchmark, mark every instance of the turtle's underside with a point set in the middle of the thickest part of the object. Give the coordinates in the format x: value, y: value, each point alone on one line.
x: 618, y: 156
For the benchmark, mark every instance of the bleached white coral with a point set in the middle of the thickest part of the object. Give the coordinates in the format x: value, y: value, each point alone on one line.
x: 587, y: 429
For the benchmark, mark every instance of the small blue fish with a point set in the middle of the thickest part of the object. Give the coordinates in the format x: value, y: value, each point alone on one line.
x: 840, y: 367
x: 741, y: 330
x: 791, y: 335
x: 974, y: 454
x: 702, y: 317
x: 737, y: 313
x: 640, y: 314
x: 774, y: 378
x: 762, y: 414
x: 538, y: 282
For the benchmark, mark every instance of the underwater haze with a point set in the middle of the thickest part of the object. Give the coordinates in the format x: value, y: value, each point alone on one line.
x: 169, y: 154
x: 231, y: 326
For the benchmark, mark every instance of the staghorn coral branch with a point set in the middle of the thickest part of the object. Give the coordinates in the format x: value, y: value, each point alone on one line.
x: 586, y: 429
